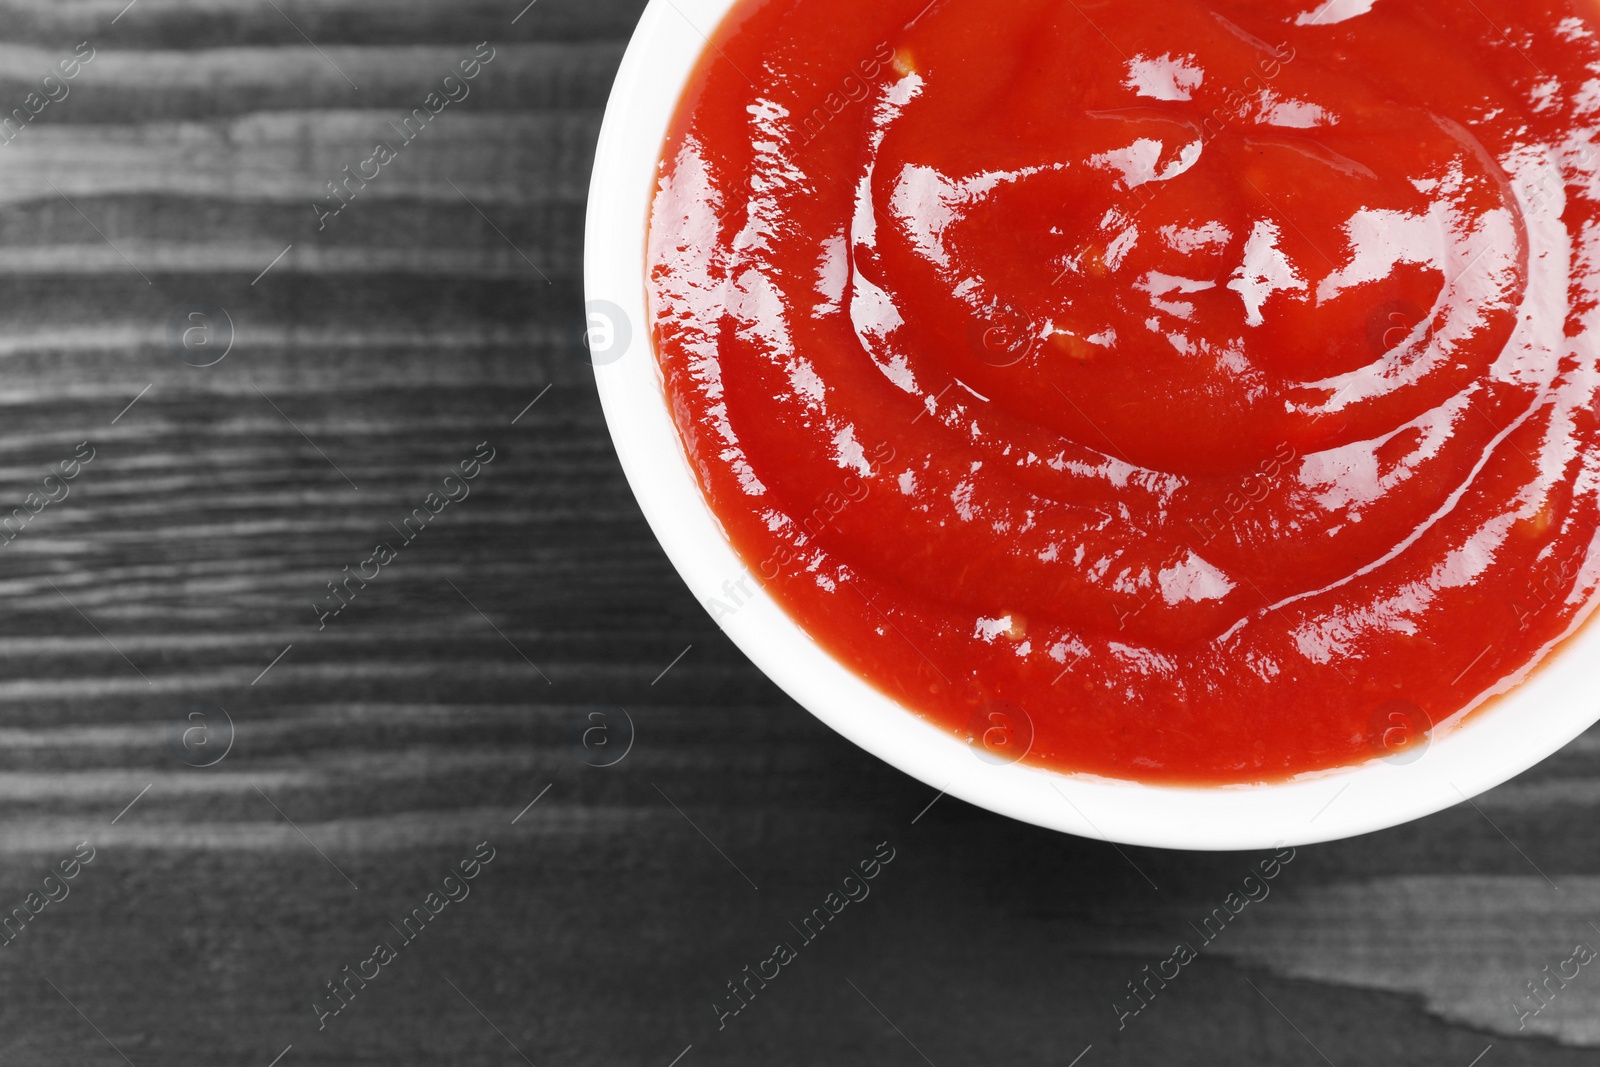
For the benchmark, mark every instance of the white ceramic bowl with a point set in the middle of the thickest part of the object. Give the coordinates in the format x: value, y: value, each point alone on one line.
x: 1559, y: 702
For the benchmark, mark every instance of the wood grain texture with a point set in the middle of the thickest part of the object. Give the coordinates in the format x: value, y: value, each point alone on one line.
x: 379, y: 751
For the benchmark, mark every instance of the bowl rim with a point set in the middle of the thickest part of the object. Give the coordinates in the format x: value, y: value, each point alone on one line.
x: 1466, y: 755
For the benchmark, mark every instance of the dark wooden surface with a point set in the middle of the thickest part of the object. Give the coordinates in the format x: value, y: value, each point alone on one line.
x: 375, y: 754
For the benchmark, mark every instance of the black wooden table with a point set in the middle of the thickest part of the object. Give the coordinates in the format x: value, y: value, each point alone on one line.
x: 256, y: 798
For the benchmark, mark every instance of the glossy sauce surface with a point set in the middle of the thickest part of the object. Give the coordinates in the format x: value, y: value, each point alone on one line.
x: 1189, y: 393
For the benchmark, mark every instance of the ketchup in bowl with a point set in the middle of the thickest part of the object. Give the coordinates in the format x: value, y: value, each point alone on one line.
x: 1193, y: 393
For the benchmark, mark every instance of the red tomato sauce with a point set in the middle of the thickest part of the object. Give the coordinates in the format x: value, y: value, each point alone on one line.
x: 1178, y: 392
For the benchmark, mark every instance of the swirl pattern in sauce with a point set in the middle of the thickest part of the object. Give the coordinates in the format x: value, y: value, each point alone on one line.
x: 1197, y: 384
